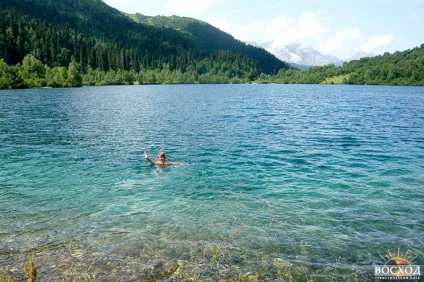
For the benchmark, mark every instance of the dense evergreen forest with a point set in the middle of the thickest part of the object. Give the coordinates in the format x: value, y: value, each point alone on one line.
x: 60, y: 43
x: 45, y: 42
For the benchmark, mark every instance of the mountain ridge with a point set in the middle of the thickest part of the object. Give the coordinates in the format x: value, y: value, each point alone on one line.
x: 297, y: 54
x: 46, y: 43
x: 304, y: 57
x: 94, y: 19
x: 208, y: 36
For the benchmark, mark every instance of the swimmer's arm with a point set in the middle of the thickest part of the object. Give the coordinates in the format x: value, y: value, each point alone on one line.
x: 173, y: 163
x: 146, y: 156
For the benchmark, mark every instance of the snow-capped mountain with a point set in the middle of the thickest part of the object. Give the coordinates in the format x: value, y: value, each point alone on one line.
x: 305, y: 57
x: 295, y: 53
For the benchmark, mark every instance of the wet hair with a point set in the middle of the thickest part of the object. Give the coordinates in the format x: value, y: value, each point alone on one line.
x: 162, y: 154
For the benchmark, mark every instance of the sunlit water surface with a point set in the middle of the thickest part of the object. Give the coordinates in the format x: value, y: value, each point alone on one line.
x: 277, y: 182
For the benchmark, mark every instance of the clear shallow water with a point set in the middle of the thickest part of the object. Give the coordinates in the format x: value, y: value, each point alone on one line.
x: 278, y: 181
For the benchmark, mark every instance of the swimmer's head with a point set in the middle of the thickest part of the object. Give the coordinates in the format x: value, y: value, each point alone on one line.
x: 161, y: 156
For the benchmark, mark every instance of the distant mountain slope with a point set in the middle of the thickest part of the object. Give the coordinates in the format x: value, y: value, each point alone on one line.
x: 76, y: 27
x: 95, y: 35
x: 208, y: 37
x: 399, y: 68
x: 299, y: 55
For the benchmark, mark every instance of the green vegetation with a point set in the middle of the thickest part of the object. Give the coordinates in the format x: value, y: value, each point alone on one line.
x: 400, y: 68
x: 53, y: 43
x: 31, y: 270
x: 32, y: 73
x: 70, y: 43
x: 207, y: 37
x: 5, y: 278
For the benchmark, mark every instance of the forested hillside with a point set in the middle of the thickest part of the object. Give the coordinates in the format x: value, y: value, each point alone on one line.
x: 106, y: 47
x: 400, y: 68
x: 60, y: 43
x: 207, y: 37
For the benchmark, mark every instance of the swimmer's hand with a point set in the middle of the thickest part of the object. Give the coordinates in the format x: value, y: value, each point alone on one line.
x: 146, y: 156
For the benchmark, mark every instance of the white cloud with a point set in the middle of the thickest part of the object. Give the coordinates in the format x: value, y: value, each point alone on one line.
x: 375, y: 42
x: 308, y: 30
x: 119, y: 2
x: 310, y: 26
x: 340, y: 39
x: 184, y: 7
x: 239, y: 31
x: 278, y: 24
x: 286, y: 30
x: 122, y: 5
x: 221, y: 23
x: 282, y: 29
x: 252, y: 27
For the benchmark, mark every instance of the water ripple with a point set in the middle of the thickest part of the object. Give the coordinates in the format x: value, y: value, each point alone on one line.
x: 311, y: 181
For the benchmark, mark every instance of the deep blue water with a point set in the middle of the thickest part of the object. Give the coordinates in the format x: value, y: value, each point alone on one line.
x: 322, y: 180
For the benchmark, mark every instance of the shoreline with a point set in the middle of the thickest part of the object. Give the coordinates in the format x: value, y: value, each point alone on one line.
x: 188, y: 261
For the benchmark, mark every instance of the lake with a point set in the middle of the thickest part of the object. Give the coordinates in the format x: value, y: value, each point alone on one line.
x: 277, y: 182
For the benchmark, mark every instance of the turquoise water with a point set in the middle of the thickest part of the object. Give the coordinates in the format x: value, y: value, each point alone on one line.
x: 277, y: 182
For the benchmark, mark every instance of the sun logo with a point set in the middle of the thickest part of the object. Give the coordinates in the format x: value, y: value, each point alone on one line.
x: 398, y: 258
x: 398, y: 265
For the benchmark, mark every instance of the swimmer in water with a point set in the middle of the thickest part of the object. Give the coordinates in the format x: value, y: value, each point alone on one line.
x: 161, y: 159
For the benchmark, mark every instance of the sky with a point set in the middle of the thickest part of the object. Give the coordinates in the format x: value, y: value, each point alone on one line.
x: 336, y: 27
